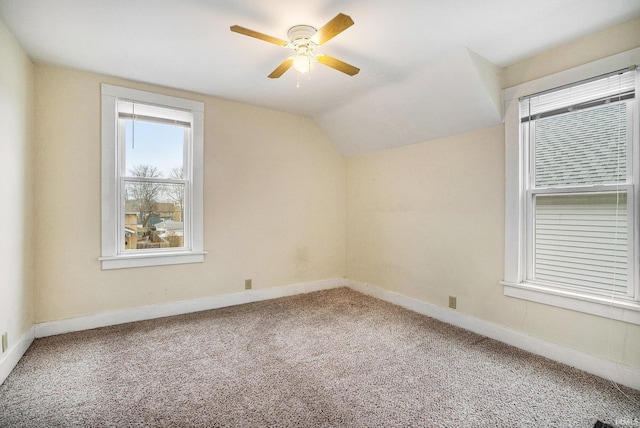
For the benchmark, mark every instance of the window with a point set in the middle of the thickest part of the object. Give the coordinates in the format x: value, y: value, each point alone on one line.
x: 151, y: 179
x: 573, y: 162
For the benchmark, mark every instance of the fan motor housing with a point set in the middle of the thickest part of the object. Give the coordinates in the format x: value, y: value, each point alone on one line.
x: 300, y: 33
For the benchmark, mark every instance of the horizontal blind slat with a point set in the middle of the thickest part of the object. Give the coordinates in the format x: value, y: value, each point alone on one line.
x: 581, y: 240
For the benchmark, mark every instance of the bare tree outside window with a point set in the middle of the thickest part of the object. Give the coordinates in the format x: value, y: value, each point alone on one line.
x: 144, y: 194
x: 154, y: 208
x: 176, y: 193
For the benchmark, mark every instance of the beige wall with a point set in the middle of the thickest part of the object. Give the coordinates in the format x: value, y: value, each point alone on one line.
x: 274, y: 203
x: 427, y: 221
x: 16, y: 112
x: 608, y: 42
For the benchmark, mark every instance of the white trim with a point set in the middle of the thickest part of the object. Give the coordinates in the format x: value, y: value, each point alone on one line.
x: 576, y: 74
x: 152, y: 259
x: 87, y: 322
x: 151, y: 97
x: 617, y: 309
x: 515, y: 195
x: 112, y: 256
x: 619, y: 373
x: 15, y: 353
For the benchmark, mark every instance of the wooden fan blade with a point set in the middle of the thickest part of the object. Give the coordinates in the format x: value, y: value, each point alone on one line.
x: 338, y: 65
x: 332, y: 28
x: 279, y: 71
x: 255, y: 34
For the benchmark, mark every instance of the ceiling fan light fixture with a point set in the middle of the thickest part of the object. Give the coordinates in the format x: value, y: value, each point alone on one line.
x: 302, y: 63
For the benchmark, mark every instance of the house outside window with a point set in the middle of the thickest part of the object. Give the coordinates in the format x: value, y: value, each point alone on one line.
x: 151, y: 179
x: 572, y: 194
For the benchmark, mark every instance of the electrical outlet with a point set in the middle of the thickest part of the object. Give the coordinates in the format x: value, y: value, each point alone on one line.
x: 452, y: 302
x: 5, y: 342
x: 247, y: 284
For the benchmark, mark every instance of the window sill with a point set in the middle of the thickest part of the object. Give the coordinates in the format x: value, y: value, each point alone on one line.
x: 618, y: 309
x: 151, y: 259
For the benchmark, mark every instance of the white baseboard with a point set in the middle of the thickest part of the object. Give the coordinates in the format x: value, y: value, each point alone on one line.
x: 13, y: 355
x: 87, y: 322
x: 606, y: 369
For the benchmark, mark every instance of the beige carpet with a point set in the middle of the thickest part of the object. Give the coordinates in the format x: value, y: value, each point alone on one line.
x: 330, y: 358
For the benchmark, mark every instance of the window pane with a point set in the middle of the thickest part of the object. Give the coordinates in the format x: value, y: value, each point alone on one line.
x: 159, y: 147
x: 582, y: 147
x: 154, y: 215
x: 581, y: 240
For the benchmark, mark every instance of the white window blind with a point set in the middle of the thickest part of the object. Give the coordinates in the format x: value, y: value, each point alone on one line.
x: 580, y: 184
x: 618, y: 85
x: 152, y: 113
x: 581, y: 240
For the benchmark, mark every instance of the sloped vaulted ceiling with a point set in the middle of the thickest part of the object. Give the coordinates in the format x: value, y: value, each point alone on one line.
x: 459, y: 93
x: 428, y: 68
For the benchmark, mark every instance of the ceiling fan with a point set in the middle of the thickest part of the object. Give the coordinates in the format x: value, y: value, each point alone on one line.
x: 303, y: 39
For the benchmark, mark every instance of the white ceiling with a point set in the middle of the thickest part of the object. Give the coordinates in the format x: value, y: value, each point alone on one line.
x: 428, y: 67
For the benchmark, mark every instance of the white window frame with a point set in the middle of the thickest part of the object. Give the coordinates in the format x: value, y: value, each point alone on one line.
x: 517, y: 197
x: 113, y: 254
